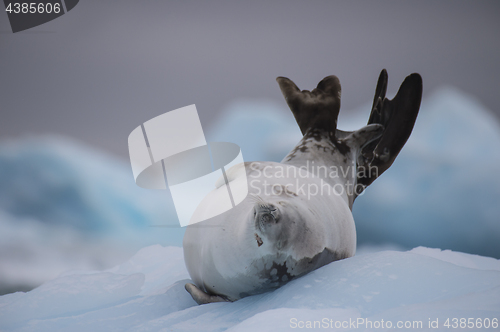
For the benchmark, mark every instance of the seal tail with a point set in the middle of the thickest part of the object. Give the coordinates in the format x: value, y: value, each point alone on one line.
x: 377, y: 144
x: 398, y: 117
x: 316, y: 109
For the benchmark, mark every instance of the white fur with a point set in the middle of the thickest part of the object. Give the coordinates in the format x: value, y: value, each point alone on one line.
x: 223, y: 255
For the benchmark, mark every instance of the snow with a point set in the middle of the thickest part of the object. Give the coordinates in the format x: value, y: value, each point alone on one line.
x: 147, y: 293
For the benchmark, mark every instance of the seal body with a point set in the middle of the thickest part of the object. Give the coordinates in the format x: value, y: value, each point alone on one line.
x: 296, y: 218
x: 297, y: 214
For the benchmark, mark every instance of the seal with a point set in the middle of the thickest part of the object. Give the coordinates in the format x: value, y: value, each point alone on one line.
x: 297, y: 216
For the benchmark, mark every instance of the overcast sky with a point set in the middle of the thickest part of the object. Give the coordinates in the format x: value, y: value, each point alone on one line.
x: 107, y: 66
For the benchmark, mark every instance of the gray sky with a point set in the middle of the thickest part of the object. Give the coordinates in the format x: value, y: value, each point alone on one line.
x: 107, y: 66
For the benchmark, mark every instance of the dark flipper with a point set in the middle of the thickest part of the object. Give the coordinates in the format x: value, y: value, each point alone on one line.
x: 319, y: 109
x: 398, y: 117
x: 316, y: 109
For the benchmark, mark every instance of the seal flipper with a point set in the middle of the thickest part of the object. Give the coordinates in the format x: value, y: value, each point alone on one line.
x: 398, y: 117
x: 360, y: 138
x: 316, y: 109
x: 201, y: 297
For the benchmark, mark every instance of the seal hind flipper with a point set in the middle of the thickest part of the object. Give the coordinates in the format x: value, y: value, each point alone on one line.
x: 201, y: 297
x: 361, y: 137
x: 398, y: 117
x: 316, y: 109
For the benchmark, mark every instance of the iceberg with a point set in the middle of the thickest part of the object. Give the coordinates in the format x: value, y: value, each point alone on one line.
x: 65, y: 206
